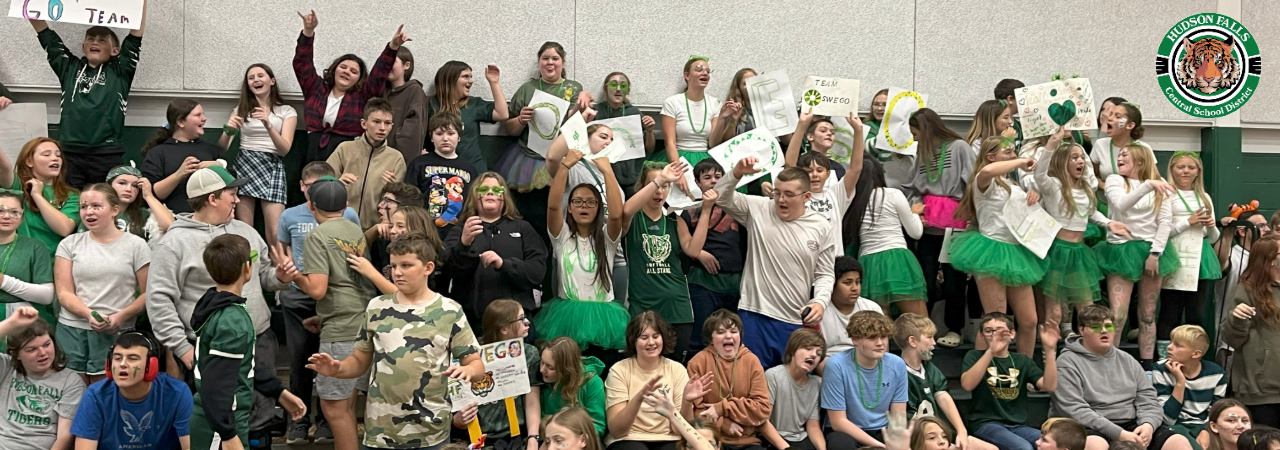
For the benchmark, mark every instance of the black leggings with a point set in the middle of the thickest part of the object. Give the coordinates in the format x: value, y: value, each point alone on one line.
x: 953, y: 287
x: 1175, y: 305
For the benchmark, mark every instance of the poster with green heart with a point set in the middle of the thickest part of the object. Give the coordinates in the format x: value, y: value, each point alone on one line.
x: 1046, y: 108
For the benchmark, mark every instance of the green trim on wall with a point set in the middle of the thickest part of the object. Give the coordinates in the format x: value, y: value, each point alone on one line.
x: 1220, y: 151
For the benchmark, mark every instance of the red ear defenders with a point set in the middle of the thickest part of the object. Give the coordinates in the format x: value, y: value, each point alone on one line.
x: 153, y: 361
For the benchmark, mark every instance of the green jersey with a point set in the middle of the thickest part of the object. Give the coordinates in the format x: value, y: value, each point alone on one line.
x: 227, y: 333
x: 922, y: 387
x: 657, y: 279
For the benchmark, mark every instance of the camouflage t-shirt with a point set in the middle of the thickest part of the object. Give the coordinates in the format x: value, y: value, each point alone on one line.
x: 412, y: 345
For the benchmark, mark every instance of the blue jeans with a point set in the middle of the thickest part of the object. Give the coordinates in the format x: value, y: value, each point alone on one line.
x: 705, y: 302
x: 1008, y: 437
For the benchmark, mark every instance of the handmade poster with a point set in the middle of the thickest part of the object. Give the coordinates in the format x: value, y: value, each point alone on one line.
x: 1032, y: 226
x: 19, y: 124
x: 835, y: 97
x: 1046, y: 108
x: 628, y: 138
x: 758, y: 143
x: 944, y: 255
x: 575, y: 135
x: 844, y: 139
x: 1188, y: 244
x: 109, y: 13
x: 505, y: 376
x: 895, y: 134
x: 677, y: 200
x: 548, y: 114
x: 772, y: 103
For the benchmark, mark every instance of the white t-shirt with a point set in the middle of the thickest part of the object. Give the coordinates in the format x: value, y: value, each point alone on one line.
x: 831, y: 204
x: 884, y: 231
x: 331, y: 111
x: 834, y: 323
x: 578, y: 266
x: 689, y: 117
x: 1104, y: 155
x: 1136, y: 209
x: 105, y: 274
x: 255, y: 137
x: 990, y: 206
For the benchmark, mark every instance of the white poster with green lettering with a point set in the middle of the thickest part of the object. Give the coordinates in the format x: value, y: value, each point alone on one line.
x: 125, y: 14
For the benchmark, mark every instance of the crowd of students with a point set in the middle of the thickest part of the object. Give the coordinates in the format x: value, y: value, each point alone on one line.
x: 137, y: 313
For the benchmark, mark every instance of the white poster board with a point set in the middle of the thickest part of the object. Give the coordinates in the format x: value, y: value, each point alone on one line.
x: 1189, y: 244
x: 505, y: 376
x: 895, y: 133
x: 1032, y: 226
x: 628, y: 138
x: 574, y: 131
x: 1045, y: 108
x: 835, y: 97
x: 772, y: 103
x: 109, y: 13
x: 677, y: 200
x: 758, y: 143
x: 20, y: 123
x: 548, y: 114
x: 842, y: 146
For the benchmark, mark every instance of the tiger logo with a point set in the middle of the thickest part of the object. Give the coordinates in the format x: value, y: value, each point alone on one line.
x: 483, y: 386
x: 1209, y: 65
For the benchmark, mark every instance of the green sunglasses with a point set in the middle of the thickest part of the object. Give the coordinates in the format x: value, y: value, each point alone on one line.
x: 486, y: 190
x: 619, y: 86
x: 1108, y: 327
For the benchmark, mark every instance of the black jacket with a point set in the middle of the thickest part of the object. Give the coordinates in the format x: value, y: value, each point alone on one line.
x: 524, y: 264
x: 164, y: 159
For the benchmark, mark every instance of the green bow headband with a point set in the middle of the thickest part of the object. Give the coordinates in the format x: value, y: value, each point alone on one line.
x: 1007, y: 142
x: 16, y: 192
x: 1004, y: 103
x: 1185, y: 153
x: 123, y: 170
x: 654, y: 165
x: 699, y: 57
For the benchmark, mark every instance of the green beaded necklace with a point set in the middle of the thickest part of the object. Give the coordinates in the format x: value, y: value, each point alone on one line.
x: 862, y: 391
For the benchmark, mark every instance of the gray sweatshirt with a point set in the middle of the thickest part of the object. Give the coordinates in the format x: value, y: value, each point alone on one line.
x: 178, y: 278
x: 956, y: 170
x: 1100, y: 391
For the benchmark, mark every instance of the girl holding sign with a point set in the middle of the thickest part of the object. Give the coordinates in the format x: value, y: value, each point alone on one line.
x: 524, y: 168
x: 1193, y: 220
x: 690, y: 119
x: 616, y: 104
x: 1142, y: 200
x: 505, y: 320
x: 1005, y: 270
x: 944, y: 163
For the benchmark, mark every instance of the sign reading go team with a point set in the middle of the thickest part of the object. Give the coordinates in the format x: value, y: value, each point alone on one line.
x: 110, y: 13
x: 829, y: 96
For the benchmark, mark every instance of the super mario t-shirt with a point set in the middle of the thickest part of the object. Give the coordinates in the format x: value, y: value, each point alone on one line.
x: 444, y: 184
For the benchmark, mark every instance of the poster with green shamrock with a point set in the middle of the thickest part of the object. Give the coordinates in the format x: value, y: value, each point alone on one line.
x: 1046, y: 108
x: 828, y: 96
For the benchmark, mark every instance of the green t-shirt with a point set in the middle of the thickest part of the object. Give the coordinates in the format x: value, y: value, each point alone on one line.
x: 227, y: 333
x: 493, y: 416
x: 590, y: 396
x: 33, y: 224
x: 476, y: 111
x: 325, y: 251
x: 921, y: 388
x: 627, y: 172
x: 656, y: 279
x: 566, y: 89
x: 1002, y: 396
x: 412, y: 345
x: 25, y: 259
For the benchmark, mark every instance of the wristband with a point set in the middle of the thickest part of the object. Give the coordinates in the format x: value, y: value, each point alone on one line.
x: 1155, y: 254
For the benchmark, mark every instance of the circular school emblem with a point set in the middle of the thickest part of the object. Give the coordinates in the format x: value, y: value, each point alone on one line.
x: 812, y: 97
x: 1208, y: 65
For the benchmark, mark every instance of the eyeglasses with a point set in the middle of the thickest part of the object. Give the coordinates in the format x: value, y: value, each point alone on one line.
x: 786, y: 194
x: 1107, y: 327
x: 700, y: 69
x: 488, y: 190
x: 580, y: 203
x: 991, y: 331
x: 390, y: 200
x: 12, y: 213
x: 521, y: 320
x: 879, y: 104
x: 619, y: 86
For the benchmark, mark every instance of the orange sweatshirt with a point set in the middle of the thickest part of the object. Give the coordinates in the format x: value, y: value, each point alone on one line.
x: 739, y: 393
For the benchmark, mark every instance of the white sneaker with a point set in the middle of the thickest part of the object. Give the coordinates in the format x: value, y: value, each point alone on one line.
x: 951, y: 340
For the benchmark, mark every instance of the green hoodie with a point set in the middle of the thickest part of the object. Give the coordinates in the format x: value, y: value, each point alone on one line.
x: 94, y: 99
x: 590, y: 396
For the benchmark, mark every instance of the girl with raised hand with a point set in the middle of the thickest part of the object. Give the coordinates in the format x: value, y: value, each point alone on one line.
x: 741, y: 119
x: 145, y: 217
x: 938, y: 180
x: 573, y: 381
x: 616, y: 104
x: 28, y: 270
x: 406, y: 219
x: 1123, y: 129
x: 96, y: 274
x: 878, y: 216
x: 691, y: 118
x: 1140, y: 199
x: 991, y: 121
x: 570, y: 429
x: 1192, y: 213
x: 1072, y: 276
x: 176, y: 152
x: 1004, y: 269
x: 505, y: 320
x: 1252, y: 329
x: 655, y: 269
x: 265, y: 125
x: 585, y: 238
x: 33, y: 374
x: 524, y: 169
x: 335, y: 99
x: 54, y: 212
x: 453, y: 95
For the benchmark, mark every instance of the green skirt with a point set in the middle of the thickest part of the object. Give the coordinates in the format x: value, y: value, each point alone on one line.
x: 588, y: 323
x: 891, y: 276
x: 1210, y: 267
x: 982, y: 256
x: 1128, y: 259
x: 1071, y: 273
x: 693, y: 156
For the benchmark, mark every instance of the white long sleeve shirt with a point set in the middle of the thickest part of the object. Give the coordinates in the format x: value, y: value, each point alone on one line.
x: 1104, y: 155
x: 785, y: 259
x: 1132, y: 202
x: 892, y: 215
x: 1051, y: 192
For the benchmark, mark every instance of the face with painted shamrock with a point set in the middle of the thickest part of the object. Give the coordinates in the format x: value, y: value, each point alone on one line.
x: 128, y: 365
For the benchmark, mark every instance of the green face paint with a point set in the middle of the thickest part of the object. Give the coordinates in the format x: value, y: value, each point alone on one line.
x: 135, y: 371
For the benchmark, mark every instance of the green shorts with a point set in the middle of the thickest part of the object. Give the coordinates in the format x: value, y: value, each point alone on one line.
x: 86, y: 350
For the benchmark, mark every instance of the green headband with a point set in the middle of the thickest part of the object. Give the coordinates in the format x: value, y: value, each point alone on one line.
x: 1180, y: 154
x: 1004, y: 103
x: 123, y: 170
x: 699, y: 57
x: 654, y: 165
x: 1008, y: 142
x: 16, y: 192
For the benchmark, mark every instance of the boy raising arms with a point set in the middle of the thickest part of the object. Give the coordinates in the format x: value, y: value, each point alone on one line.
x: 415, y: 333
x: 998, y: 381
x: 95, y: 95
x: 927, y: 386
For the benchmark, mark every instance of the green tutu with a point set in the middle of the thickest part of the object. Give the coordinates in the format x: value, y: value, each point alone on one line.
x: 1071, y: 273
x: 693, y: 156
x: 588, y: 323
x: 891, y: 276
x: 981, y: 256
x: 1210, y: 267
x: 1127, y: 260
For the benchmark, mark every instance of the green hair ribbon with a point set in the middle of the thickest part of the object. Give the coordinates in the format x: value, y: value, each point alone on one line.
x: 1179, y: 154
x: 1008, y: 142
x: 699, y: 57
x: 1004, y: 103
